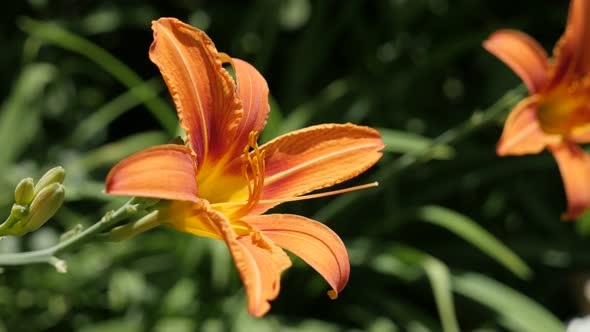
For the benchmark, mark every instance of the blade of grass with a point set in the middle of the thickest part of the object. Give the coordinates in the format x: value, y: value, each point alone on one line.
x: 518, y: 310
x: 54, y: 34
x: 19, y: 116
x: 101, y: 118
x: 439, y: 277
x: 471, y: 232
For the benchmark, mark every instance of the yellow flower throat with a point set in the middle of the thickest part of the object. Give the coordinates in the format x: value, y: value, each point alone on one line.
x: 563, y: 109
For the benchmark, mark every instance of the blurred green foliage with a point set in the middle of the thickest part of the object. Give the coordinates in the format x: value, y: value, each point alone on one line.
x: 454, y: 239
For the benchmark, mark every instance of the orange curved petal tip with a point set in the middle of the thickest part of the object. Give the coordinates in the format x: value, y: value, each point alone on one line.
x: 258, y: 260
x: 315, y: 243
x: 522, y: 54
x: 260, y: 269
x: 332, y: 294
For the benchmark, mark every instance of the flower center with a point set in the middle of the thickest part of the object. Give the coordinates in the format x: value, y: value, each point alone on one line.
x: 564, y: 109
x: 234, y: 180
x: 235, y: 188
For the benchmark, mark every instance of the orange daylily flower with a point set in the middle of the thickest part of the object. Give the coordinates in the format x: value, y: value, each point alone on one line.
x: 220, y: 183
x: 556, y: 115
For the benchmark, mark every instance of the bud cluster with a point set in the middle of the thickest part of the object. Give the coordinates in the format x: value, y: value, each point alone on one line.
x: 35, y: 204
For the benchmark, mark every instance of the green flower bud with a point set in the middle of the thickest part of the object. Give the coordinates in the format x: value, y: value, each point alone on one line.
x: 54, y: 175
x: 18, y: 211
x: 24, y: 192
x: 43, y: 207
x: 35, y: 205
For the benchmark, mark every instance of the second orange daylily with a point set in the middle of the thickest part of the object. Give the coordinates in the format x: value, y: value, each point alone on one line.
x: 556, y: 115
x: 221, y: 181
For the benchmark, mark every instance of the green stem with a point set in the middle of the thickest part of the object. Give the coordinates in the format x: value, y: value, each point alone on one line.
x: 48, y: 255
x: 478, y: 120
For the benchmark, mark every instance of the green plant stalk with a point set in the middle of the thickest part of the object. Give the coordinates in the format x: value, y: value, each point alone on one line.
x: 478, y: 120
x: 49, y: 255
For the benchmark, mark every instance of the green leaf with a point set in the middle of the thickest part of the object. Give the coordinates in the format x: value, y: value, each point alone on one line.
x: 471, y: 232
x: 518, y: 310
x: 405, y: 142
x: 54, y: 34
x: 20, y: 113
x: 439, y: 278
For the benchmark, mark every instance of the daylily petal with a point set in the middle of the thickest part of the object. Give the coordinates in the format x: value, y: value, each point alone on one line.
x: 317, y: 157
x: 164, y: 171
x: 572, y: 56
x: 258, y: 260
x: 203, y: 91
x: 522, y: 54
x: 314, y: 242
x: 253, y: 92
x: 522, y: 131
x: 574, y: 166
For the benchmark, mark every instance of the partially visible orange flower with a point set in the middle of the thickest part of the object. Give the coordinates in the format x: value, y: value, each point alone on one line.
x: 221, y: 181
x: 556, y: 115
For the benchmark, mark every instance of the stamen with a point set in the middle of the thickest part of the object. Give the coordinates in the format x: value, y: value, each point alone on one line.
x: 325, y: 194
x: 245, y: 169
x: 253, y: 171
x: 305, y: 197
